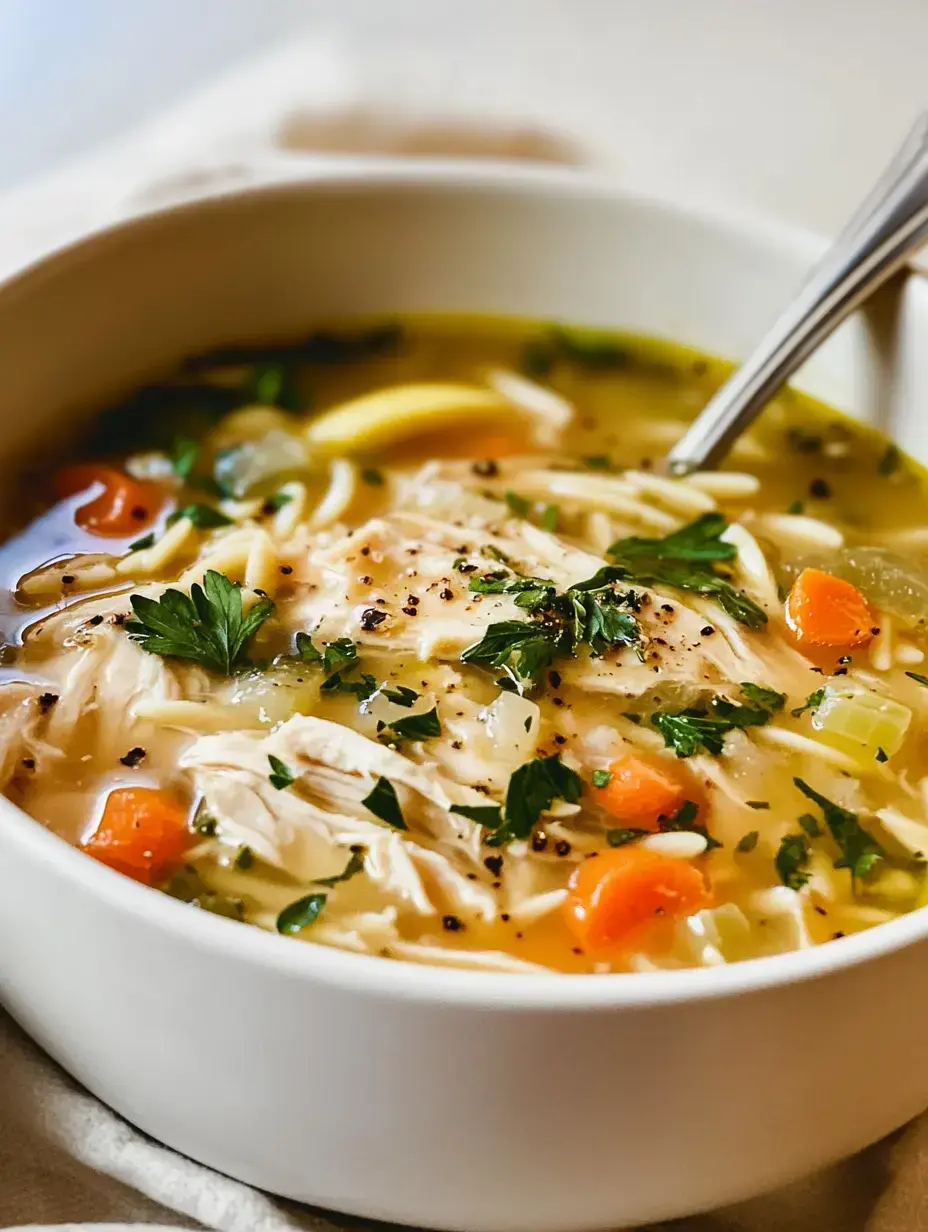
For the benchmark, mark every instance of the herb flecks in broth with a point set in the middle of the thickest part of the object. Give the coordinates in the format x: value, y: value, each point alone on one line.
x: 419, y: 655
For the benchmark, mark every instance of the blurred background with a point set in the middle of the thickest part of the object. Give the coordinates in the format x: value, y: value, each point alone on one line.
x: 783, y: 106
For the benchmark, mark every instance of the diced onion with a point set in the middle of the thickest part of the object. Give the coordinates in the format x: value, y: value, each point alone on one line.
x: 512, y: 725
x: 890, y: 582
x: 861, y: 722
x: 245, y: 467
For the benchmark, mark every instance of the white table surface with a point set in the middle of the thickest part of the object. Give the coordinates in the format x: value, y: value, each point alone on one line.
x: 785, y: 106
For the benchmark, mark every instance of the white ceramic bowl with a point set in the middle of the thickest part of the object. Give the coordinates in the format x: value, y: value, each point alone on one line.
x: 434, y: 1097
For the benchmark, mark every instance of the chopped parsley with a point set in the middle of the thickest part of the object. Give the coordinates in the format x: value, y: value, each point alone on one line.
x: 768, y: 699
x: 306, y: 650
x: 687, y: 560
x: 382, y: 801
x: 812, y: 702
x: 354, y: 866
x: 597, y: 462
x: 299, y: 915
x: 889, y: 462
x: 589, y: 613
x: 748, y: 841
x: 698, y: 729
x: 601, y: 778
x: 811, y: 825
x: 244, y: 858
x: 517, y: 505
x: 685, y: 819
x: 146, y: 541
x: 276, y: 501
x: 417, y: 726
x: 918, y: 678
x: 281, y: 775
x: 533, y: 788
x: 204, y: 517
x: 372, y: 476
x: 207, y: 626
x: 400, y: 696
x: 859, y: 852
x: 791, y: 861
x: 549, y: 518
x: 625, y: 835
x: 274, y: 384
x: 488, y: 815
x: 187, y: 886
x: 203, y: 822
x: 184, y: 456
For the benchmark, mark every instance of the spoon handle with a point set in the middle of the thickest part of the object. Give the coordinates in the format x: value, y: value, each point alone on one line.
x: 887, y: 228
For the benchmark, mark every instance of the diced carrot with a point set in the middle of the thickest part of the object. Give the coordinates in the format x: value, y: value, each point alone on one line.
x: 613, y: 896
x: 142, y: 833
x: 644, y: 789
x: 124, y: 506
x: 824, y: 610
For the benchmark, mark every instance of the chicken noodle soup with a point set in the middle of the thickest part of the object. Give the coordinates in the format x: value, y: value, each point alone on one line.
x: 396, y: 640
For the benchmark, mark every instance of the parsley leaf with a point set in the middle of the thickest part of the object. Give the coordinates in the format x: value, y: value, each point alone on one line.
x: 601, y: 778
x: 889, y: 462
x: 146, y: 541
x: 533, y: 788
x: 372, y: 476
x: 685, y: 819
x: 622, y: 836
x: 748, y: 841
x: 526, y: 646
x: 274, y: 384
x: 299, y: 915
x: 281, y: 775
x: 187, y: 886
x: 354, y: 866
x: 767, y: 699
x: 812, y: 702
x: 518, y: 506
x: 400, y: 696
x: 306, y: 650
x: 694, y: 729
x: 204, y: 517
x: 918, y: 678
x: 859, y: 852
x: 488, y: 815
x: 417, y: 726
x: 339, y: 654
x: 549, y: 518
x: 791, y: 860
x: 685, y: 560
x: 184, y: 455
x: 382, y: 801
x: 810, y: 825
x: 698, y: 541
x: 206, y: 626
x: 276, y: 501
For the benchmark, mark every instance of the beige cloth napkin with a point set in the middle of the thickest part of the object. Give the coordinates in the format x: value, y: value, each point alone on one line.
x: 63, y: 1155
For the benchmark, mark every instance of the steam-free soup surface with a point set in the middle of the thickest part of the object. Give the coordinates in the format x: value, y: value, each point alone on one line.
x: 395, y: 640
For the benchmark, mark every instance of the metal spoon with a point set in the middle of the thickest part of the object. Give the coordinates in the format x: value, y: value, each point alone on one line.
x: 887, y: 228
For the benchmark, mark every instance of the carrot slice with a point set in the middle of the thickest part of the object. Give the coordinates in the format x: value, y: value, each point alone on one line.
x: 614, y: 895
x: 824, y: 610
x: 142, y: 833
x: 644, y: 789
x: 123, y: 507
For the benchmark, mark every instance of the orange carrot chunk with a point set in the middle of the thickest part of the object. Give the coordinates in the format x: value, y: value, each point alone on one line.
x: 614, y: 895
x: 824, y: 610
x: 142, y: 833
x: 644, y: 789
x: 124, y: 506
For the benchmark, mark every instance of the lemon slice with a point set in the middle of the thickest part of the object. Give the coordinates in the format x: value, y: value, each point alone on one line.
x: 400, y: 411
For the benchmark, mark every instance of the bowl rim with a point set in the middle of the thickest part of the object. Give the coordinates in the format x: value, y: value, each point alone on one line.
x: 369, y: 974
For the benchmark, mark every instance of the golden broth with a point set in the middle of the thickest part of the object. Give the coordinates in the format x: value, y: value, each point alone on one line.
x: 121, y: 718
